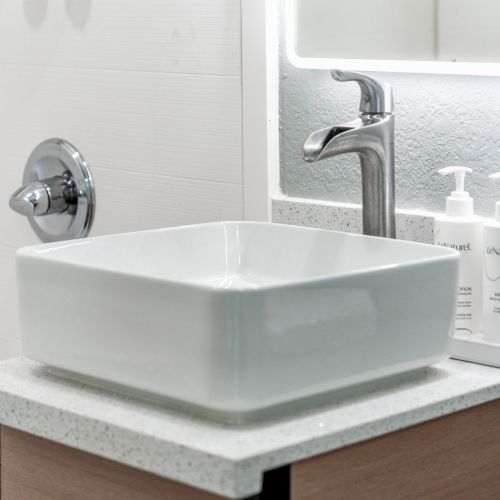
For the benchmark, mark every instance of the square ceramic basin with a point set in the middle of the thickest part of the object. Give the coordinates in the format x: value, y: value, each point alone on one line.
x: 233, y: 318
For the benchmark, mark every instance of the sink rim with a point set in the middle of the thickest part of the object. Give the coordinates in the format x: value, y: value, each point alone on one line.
x: 43, y: 252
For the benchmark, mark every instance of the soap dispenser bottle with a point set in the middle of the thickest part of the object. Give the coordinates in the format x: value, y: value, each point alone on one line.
x: 491, y: 310
x: 461, y: 230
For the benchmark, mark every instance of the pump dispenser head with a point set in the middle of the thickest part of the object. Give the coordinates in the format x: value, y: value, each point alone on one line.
x: 459, y: 203
x: 496, y: 177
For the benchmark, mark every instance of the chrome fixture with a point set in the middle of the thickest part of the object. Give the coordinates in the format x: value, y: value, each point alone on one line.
x: 371, y: 136
x: 58, y: 194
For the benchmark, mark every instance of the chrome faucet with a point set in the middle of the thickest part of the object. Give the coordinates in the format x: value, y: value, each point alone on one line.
x: 371, y: 136
x: 57, y: 195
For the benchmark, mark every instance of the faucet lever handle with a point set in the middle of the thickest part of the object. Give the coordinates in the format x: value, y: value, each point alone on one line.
x: 376, y: 96
x: 31, y: 200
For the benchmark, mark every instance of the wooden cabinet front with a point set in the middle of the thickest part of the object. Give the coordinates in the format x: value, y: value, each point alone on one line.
x: 455, y: 457
x: 37, y: 469
x: 451, y: 458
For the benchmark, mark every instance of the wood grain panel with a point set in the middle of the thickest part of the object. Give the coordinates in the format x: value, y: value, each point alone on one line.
x: 178, y: 125
x: 11, y: 32
x: 133, y: 202
x: 179, y: 36
x: 35, y: 468
x: 455, y: 457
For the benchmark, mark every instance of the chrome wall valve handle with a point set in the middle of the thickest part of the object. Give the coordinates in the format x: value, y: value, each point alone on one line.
x: 58, y: 195
x: 32, y: 200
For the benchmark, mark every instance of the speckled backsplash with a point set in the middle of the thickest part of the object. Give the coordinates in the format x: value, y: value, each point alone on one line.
x: 440, y: 121
x: 410, y: 225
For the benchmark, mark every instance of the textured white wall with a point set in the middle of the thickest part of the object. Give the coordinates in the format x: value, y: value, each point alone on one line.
x: 441, y: 120
x: 151, y: 94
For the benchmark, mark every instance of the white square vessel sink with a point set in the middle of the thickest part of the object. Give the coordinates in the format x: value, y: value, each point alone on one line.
x: 233, y: 318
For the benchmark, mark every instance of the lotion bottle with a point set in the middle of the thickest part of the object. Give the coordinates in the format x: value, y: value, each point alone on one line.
x: 461, y: 230
x: 491, y: 310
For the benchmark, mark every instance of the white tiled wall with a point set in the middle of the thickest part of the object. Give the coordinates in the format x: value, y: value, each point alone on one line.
x: 151, y: 94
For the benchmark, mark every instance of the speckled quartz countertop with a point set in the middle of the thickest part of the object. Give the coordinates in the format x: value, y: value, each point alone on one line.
x: 226, y: 460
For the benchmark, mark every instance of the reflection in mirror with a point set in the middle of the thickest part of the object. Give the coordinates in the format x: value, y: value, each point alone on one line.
x: 463, y: 31
x: 468, y: 30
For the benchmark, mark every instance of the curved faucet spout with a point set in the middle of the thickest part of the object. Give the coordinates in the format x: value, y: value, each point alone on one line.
x: 371, y: 136
x: 323, y: 143
x: 365, y: 134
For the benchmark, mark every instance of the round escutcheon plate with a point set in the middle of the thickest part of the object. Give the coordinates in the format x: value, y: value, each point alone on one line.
x: 57, y: 157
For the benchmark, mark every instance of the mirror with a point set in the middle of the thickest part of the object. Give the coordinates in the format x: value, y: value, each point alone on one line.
x: 437, y: 36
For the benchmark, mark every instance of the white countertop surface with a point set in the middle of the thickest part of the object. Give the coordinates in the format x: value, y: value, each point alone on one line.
x: 226, y: 460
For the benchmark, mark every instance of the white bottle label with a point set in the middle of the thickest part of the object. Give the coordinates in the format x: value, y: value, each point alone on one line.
x: 492, y: 284
x: 467, y: 238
